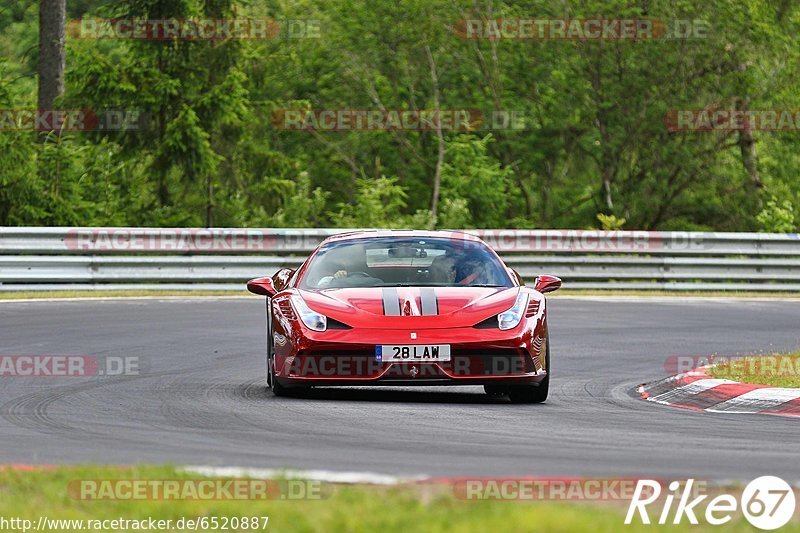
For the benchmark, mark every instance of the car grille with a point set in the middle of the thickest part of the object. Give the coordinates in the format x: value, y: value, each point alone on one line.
x: 362, y: 364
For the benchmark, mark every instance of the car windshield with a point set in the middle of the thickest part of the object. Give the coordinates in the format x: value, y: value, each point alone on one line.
x: 398, y: 262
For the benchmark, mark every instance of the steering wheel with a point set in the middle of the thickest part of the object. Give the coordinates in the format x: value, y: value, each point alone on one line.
x: 358, y: 274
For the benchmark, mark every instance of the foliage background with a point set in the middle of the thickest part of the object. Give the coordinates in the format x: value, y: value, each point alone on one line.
x: 594, y: 151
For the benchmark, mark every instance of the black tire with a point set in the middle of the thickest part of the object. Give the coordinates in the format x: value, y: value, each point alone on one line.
x: 534, y: 393
x: 272, y: 383
x: 276, y: 388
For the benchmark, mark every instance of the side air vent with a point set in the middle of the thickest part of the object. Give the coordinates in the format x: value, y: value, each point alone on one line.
x: 285, y: 307
x: 533, y: 308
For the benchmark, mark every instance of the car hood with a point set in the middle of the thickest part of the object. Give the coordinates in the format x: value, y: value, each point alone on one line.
x: 411, y: 307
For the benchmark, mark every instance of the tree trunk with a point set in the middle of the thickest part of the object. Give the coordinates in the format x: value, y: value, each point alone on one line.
x: 52, y: 35
x: 210, y: 201
x: 747, y: 148
x: 437, y: 176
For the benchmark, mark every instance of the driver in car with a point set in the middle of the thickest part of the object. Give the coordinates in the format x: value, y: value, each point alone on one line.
x: 346, y: 267
x: 340, y: 273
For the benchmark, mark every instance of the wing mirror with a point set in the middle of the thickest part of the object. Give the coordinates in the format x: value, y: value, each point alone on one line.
x: 545, y: 283
x: 262, y: 286
x: 271, y: 286
x: 281, y: 278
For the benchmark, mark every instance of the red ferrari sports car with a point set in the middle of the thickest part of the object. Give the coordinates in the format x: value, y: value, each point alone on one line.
x: 407, y: 308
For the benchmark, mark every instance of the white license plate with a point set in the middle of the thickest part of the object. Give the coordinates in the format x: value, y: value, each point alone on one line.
x: 412, y: 353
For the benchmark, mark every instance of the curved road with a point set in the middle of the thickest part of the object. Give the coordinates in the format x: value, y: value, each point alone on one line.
x: 200, y: 397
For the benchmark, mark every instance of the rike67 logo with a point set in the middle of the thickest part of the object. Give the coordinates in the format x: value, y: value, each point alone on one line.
x: 767, y: 502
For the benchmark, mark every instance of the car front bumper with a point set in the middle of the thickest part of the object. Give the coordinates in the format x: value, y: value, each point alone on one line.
x: 478, y: 357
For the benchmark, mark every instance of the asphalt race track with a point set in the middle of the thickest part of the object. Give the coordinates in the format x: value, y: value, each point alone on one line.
x: 200, y: 398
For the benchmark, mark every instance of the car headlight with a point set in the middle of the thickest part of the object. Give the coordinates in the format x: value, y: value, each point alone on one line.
x: 511, y: 318
x: 311, y: 319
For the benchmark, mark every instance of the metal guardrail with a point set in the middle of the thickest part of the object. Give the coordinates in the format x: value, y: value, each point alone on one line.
x: 33, y: 258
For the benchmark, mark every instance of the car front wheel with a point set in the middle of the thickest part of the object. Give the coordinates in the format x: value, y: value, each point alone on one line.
x: 534, y: 393
x: 272, y: 383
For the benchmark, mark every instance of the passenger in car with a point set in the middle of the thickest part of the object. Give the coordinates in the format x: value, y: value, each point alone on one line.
x: 472, y: 269
x: 443, y: 269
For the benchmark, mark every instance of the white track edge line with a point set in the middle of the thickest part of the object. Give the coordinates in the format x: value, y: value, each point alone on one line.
x: 371, y: 478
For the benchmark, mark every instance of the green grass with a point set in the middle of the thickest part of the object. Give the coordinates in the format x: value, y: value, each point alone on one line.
x: 410, y: 507
x: 778, y: 370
